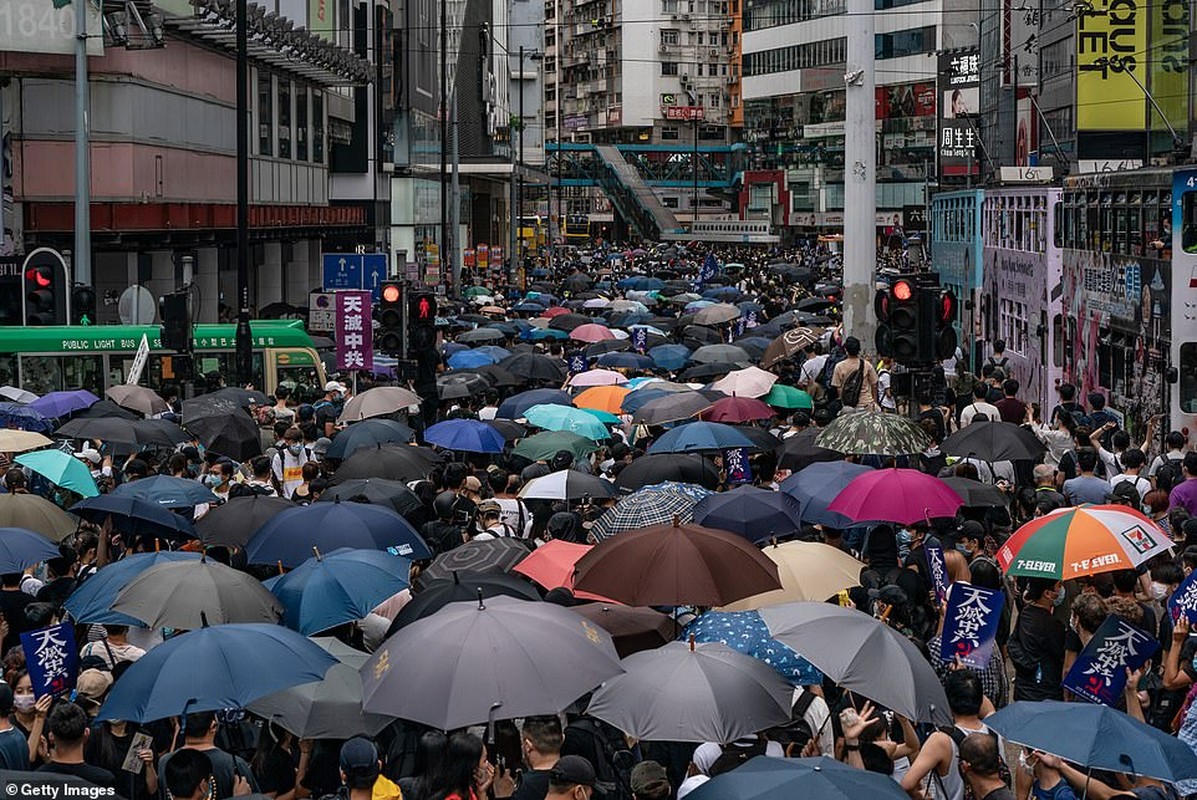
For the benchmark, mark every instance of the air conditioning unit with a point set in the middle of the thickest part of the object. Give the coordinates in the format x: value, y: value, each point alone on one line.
x: 685, y: 79
x: 663, y: 49
x: 685, y: 17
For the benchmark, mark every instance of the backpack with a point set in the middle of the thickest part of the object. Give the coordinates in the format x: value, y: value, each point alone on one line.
x: 733, y: 756
x: 604, y: 747
x: 794, y: 735
x: 850, y: 392
x: 958, y: 736
x: 1168, y: 474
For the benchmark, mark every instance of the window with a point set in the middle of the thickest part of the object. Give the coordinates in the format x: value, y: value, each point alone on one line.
x: 714, y: 101
x: 317, y: 127
x: 1188, y: 377
x: 265, y: 116
x: 669, y: 6
x: 904, y: 43
x: 284, y: 118
x: 701, y: 39
x: 669, y: 132
x: 301, y: 125
x: 669, y: 37
x: 669, y: 68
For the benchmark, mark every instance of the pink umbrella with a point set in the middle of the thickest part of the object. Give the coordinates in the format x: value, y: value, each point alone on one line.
x: 904, y: 496
x: 591, y: 332
x: 552, y: 566
x: 734, y: 410
x: 598, y: 377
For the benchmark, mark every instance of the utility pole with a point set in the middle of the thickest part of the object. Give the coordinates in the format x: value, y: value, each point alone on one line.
x: 444, y: 244
x: 518, y: 253
x: 81, y: 262
x: 243, y: 340
x: 450, y: 249
x: 860, y: 173
x: 694, y: 216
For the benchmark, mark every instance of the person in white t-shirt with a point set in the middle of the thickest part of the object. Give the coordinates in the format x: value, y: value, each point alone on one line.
x: 288, y: 462
x: 115, y: 648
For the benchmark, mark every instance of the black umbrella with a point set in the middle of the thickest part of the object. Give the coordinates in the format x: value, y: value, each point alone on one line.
x: 497, y: 376
x: 393, y: 462
x: 608, y: 346
x: 461, y: 587
x: 567, y: 322
x: 105, y: 409
x: 760, y: 437
x: 242, y: 397
x: 368, y: 433
x: 578, y: 282
x: 234, y: 435
x: 710, y: 372
x: 695, y: 336
x: 975, y: 493
x: 233, y: 523
x: 382, y: 492
x: 480, y: 336
x: 800, y: 451
x: 478, y: 556
x: 994, y: 441
x: 457, y: 385
x: 534, y: 367
x: 673, y: 407
x: 815, y: 304
x: 510, y: 430
x: 210, y: 405
x: 683, y: 468
x: 135, y: 432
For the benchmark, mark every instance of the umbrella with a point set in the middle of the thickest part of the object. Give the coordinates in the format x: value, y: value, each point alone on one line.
x: 749, y: 511
x: 13, y: 440
x: 342, y: 586
x: 61, y: 469
x: 670, y: 356
x: 460, y: 587
x: 469, y: 359
x: 20, y: 549
x: 679, y: 467
x: 16, y: 394
x: 873, y: 433
x: 480, y: 336
x: 800, y: 451
x: 393, y: 462
x: 904, y: 496
x: 632, y: 629
x: 211, y: 405
x: 705, y: 373
x: 552, y: 566
x: 746, y: 632
x: 568, y: 321
x: 808, y: 571
x: 60, y: 404
x: 717, y: 314
x: 510, y: 431
x: 673, y: 407
x: 367, y: 433
x: 378, y: 402
x: 225, y: 666
x: 761, y: 439
x: 823, y: 778
x: 787, y: 397
x: 466, y: 435
x: 194, y: 594
x: 676, y: 564
x: 749, y: 382
x: 515, y: 406
x: 863, y: 655
x: 975, y: 493
x: 817, y: 485
x: 566, y: 484
x: 597, y: 377
x: 591, y: 332
x: 166, y: 491
x: 25, y: 418
x: 693, y: 693
x: 288, y: 538
x: 994, y: 441
x: 232, y: 523
x: 495, y: 659
x: 478, y: 556
x: 327, y: 709
x: 105, y: 408
x: 546, y: 444
x: 567, y: 418
x: 603, y: 398
x: 134, y: 516
x: 1096, y: 737
x: 653, y: 505
x: 379, y: 491
x: 457, y: 385
x: 234, y: 435
x: 535, y: 367
x: 634, y: 361
x: 244, y: 398
x: 138, y: 432
x: 1073, y: 542
x: 734, y: 410
x: 92, y: 600
x: 789, y: 344
x: 696, y: 437
x: 36, y: 514
x: 720, y: 354
x: 137, y: 398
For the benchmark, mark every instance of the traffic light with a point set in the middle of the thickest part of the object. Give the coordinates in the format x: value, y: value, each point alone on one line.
x: 176, y: 322
x: 389, y: 339
x: 83, y: 305
x: 45, y: 288
x: 942, y: 315
x: 421, y: 321
x: 903, y: 315
x: 423, y: 309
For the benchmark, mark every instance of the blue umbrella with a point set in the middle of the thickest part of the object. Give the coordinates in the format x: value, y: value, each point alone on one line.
x: 21, y: 548
x: 13, y: 415
x: 817, y: 485
x: 728, y: 294
x: 61, y: 469
x: 368, y: 433
x: 528, y: 307
x: 225, y: 666
x: 60, y: 404
x: 467, y: 435
x: 746, y: 632
x: 290, y: 536
x: 470, y: 359
x: 494, y: 351
x: 342, y: 586
x: 540, y: 334
x: 699, y: 436
x: 749, y: 511
x: 134, y: 516
x: 92, y: 601
x: 670, y: 356
x: 166, y: 491
x: 823, y: 778
x: 449, y: 348
x: 1096, y: 737
x: 625, y: 361
x: 515, y: 406
x: 641, y: 284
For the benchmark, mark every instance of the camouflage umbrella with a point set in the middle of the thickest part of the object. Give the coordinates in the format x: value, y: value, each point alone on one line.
x: 873, y: 433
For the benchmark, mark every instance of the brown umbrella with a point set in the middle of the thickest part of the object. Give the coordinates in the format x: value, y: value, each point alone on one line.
x: 632, y: 629
x: 676, y: 565
x: 377, y: 402
x: 36, y: 514
x: 790, y: 343
x: 137, y: 398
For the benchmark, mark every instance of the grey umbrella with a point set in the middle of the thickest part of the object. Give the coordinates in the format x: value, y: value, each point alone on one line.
x: 377, y: 402
x: 720, y: 354
x: 195, y: 594
x: 477, y: 661
x: 693, y: 693
x: 137, y: 398
x: 862, y: 654
x: 673, y: 407
x: 36, y: 514
x: 326, y: 709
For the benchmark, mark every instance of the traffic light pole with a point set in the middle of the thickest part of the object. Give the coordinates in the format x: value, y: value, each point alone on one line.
x: 860, y: 173
x: 81, y: 258
x: 243, y: 339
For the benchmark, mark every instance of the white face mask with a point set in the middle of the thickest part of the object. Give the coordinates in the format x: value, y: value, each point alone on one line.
x: 24, y: 702
x: 1026, y: 763
x: 1159, y: 591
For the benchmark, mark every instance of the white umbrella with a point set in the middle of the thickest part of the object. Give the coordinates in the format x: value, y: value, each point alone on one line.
x: 749, y: 382
x: 566, y: 484
x: 16, y: 394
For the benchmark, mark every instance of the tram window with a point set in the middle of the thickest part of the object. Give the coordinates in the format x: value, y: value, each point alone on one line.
x: 302, y: 381
x: 1188, y: 231
x: 1058, y: 339
x: 1104, y: 366
x: 42, y: 374
x: 1188, y: 377
x: 8, y: 370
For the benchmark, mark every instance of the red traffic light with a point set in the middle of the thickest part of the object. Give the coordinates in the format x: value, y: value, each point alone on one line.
x: 425, y: 309
x: 902, y: 290
x: 947, y: 308
x: 39, y: 276
x: 391, y: 293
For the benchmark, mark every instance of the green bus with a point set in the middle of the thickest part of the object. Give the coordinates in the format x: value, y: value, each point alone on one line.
x: 96, y: 357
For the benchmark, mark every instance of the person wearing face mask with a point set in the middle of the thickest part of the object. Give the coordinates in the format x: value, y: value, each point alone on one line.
x: 1166, y: 577
x: 1088, y: 612
x: 289, y: 460
x: 1037, y: 644
x: 328, y: 409
x: 217, y: 479
x: 29, y: 714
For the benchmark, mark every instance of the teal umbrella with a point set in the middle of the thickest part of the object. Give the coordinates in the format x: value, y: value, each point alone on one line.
x: 567, y: 418
x: 602, y: 416
x: 61, y: 469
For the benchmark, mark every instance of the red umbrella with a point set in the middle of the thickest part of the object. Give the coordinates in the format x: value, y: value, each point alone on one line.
x: 676, y: 565
x: 591, y: 332
x: 552, y: 566
x: 734, y: 410
x: 549, y: 313
x: 904, y: 496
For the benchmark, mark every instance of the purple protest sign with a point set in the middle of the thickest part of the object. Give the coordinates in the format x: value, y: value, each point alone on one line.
x: 970, y: 625
x: 354, y: 331
x: 1099, y: 672
x: 51, y: 658
x: 938, y: 569
x: 1184, y: 600
x: 640, y: 339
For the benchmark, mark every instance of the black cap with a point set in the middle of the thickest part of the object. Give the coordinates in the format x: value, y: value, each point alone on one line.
x: 358, y: 756
x: 570, y: 770
x: 971, y: 529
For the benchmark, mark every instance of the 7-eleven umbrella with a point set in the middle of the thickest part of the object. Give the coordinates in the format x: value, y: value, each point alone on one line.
x: 1074, y: 542
x: 603, y: 398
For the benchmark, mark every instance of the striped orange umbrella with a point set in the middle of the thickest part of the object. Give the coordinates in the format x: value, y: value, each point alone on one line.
x: 603, y: 398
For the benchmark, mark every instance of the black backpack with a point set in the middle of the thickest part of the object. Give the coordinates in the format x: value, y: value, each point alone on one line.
x: 1168, y: 474
x: 734, y: 756
x: 850, y: 392
x: 605, y: 748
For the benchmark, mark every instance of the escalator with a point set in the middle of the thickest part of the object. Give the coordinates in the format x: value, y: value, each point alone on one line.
x: 632, y: 197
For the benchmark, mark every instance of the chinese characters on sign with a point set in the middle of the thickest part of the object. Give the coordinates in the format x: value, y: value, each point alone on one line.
x: 959, y: 102
x: 51, y: 658
x: 938, y: 569
x: 1099, y: 672
x: 1184, y: 600
x: 736, y: 464
x: 640, y: 339
x: 355, y: 332
x: 970, y: 625
x: 577, y: 364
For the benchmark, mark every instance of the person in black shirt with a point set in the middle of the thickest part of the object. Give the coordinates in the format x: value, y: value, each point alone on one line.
x: 1037, y: 645
x: 68, y: 728
x: 13, y: 603
x: 541, y: 739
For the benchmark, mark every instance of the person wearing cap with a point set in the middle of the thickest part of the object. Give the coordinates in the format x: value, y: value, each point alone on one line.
x: 361, y: 772
x: 328, y: 409
x: 320, y: 447
x: 14, y: 747
x: 488, y: 522
x: 571, y: 778
x: 650, y: 781
x: 90, y: 688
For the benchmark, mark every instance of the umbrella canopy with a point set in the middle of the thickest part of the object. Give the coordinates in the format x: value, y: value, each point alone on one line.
x: 16, y: 394
x: 342, y: 586
x: 625, y: 361
x: 567, y: 418
x: 137, y: 398
x: 800, y: 451
x: 676, y: 564
x: 166, y: 491
x: 603, y: 398
x: 808, y: 571
x: 377, y: 402
x: 468, y: 359
x: 632, y: 629
x: 566, y: 484
x: 591, y: 332
x: 677, y: 467
x: 20, y: 549
x: 863, y: 655
x: 748, y: 382
x: 994, y: 441
x: 552, y: 566
x: 244, y: 398
x: 92, y: 600
x: 234, y: 435
x: 458, y: 588
x: 467, y: 435
x: 734, y: 410
x: 475, y: 557
x: 290, y: 536
x: 1073, y: 542
x: 904, y: 496
x: 787, y: 397
x: 790, y: 344
x: 368, y: 433
x: 817, y: 485
x: 598, y: 377
x: 225, y: 666
x: 211, y: 405
x: 670, y: 357
x: 193, y: 594
x: 480, y: 336
x: 232, y: 523
x: 568, y: 321
x: 693, y: 693
x: 511, y: 431
x: 717, y: 314
x: 873, y: 433
x: 697, y: 437
x: 61, y: 469
x: 653, y: 505
x: 325, y: 709
x: 745, y: 632
x: 535, y: 367
x: 749, y: 511
x: 515, y: 406
x: 975, y: 493
x: 546, y: 444
x: 495, y: 659
x: 60, y: 404
x: 823, y: 778
x: 672, y: 407
x: 720, y: 354
x: 393, y: 462
x: 135, y: 517
x: 106, y: 408
x: 13, y: 440
x: 1094, y: 736
x: 25, y: 418
x: 136, y: 433
x: 380, y: 492
x: 455, y: 386
x: 36, y: 514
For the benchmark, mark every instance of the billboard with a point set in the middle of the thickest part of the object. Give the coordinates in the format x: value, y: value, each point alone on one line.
x: 47, y: 26
x: 1169, y: 62
x: 322, y: 16
x: 1111, y: 44
x: 960, y: 99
